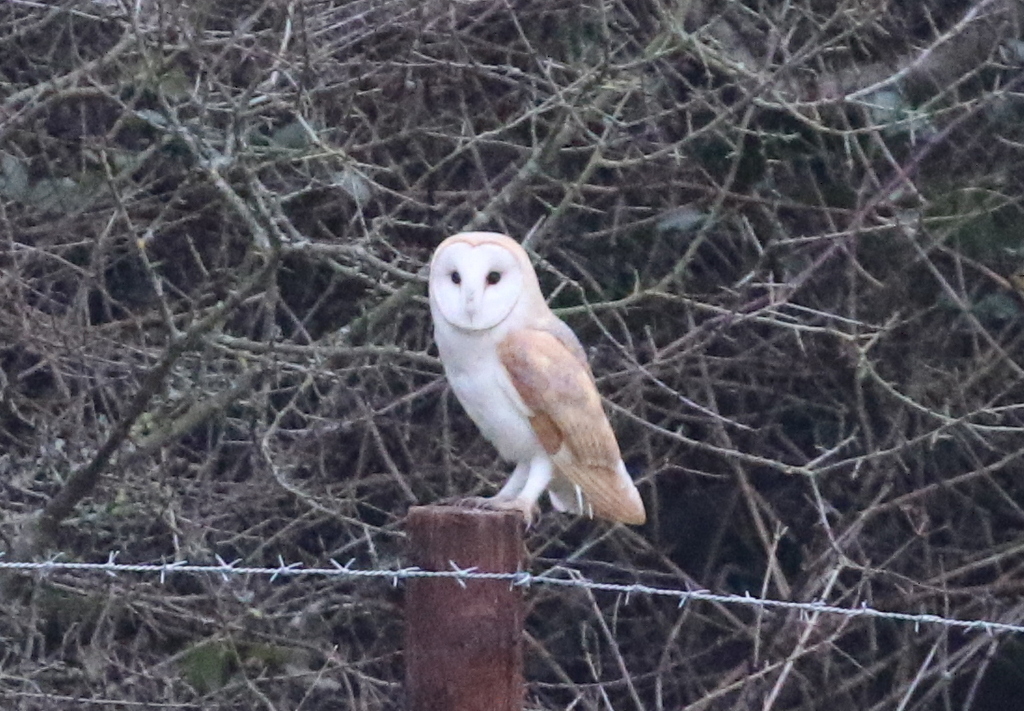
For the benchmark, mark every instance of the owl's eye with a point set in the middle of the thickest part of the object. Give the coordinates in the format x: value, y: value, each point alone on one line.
x: 493, y: 278
x: 456, y: 278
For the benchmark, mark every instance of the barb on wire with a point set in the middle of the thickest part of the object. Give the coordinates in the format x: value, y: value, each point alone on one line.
x: 521, y: 578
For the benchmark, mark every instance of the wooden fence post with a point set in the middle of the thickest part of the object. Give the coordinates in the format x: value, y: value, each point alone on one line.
x: 464, y: 642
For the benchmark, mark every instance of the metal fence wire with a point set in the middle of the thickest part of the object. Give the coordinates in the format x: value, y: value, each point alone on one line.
x: 559, y: 576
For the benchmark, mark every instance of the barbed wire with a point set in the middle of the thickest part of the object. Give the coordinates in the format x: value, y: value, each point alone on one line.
x: 524, y: 579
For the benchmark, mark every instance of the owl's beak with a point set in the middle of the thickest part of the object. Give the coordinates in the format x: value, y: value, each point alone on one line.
x: 471, y: 305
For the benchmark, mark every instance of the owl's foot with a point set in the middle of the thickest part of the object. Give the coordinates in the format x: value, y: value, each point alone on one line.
x: 528, y: 509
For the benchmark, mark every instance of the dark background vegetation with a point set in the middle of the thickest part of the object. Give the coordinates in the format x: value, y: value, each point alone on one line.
x: 790, y: 233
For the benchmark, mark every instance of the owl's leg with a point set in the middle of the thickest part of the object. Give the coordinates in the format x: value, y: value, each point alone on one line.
x: 515, y: 482
x: 537, y: 480
x: 506, y: 494
x: 525, y: 486
x: 521, y: 491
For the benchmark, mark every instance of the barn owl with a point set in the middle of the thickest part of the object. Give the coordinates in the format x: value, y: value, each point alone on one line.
x: 522, y: 376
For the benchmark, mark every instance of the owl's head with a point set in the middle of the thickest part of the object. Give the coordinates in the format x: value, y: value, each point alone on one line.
x: 477, y: 278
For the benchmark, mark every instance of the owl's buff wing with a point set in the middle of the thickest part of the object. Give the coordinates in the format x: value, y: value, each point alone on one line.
x: 570, y: 423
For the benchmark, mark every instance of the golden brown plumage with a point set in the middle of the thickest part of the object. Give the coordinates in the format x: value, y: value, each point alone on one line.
x: 570, y: 422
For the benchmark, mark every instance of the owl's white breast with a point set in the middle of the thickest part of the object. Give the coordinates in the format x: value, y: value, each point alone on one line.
x: 482, y: 385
